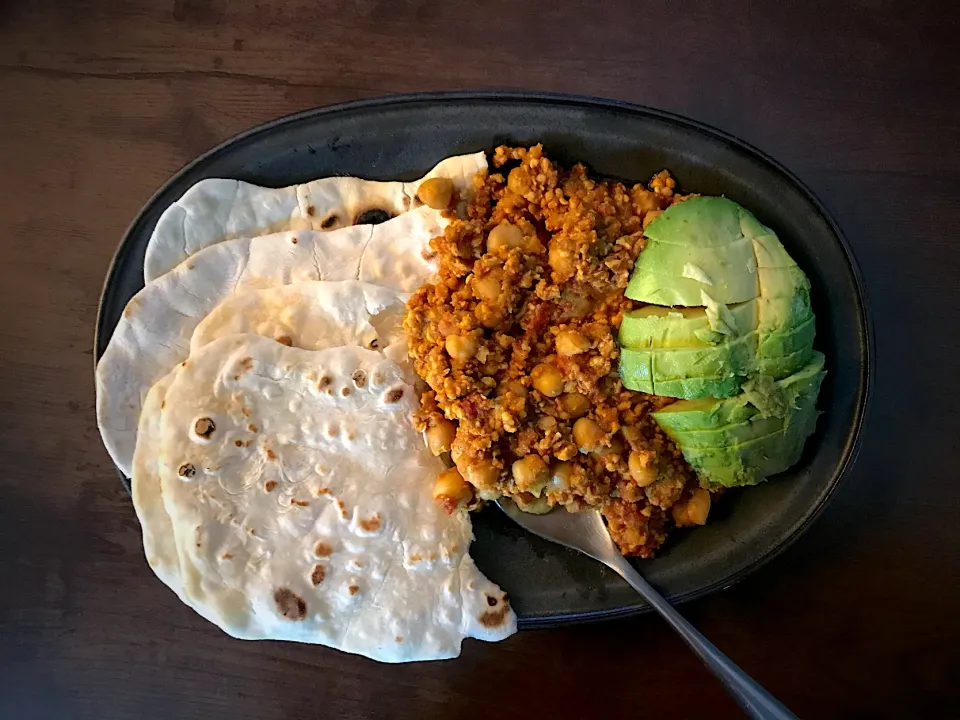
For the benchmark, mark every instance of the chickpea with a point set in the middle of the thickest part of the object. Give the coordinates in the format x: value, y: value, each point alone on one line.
x: 530, y: 503
x: 504, y: 235
x: 698, y: 507
x: 547, y: 380
x: 451, y: 491
x: 488, y: 287
x: 570, y: 342
x: 462, y: 347
x: 574, y: 404
x: 513, y: 386
x: 694, y: 511
x: 643, y: 467
x: 489, y: 313
x: 587, y: 434
x: 440, y: 436
x: 530, y: 473
x: 562, y: 475
x: 436, y: 192
x: 481, y: 474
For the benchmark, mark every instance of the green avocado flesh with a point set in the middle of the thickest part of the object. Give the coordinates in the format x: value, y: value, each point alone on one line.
x: 654, y: 326
x: 731, y: 442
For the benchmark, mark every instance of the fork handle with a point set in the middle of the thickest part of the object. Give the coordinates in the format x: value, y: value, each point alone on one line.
x: 754, y: 700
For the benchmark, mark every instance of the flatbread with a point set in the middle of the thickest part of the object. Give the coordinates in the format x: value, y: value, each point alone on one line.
x: 154, y: 333
x: 216, y: 209
x: 313, y: 315
x: 306, y: 514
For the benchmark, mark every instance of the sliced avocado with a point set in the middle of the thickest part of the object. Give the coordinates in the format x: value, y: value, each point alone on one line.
x: 751, y: 461
x: 784, y: 301
x: 699, y: 221
x: 656, y: 326
x: 784, y: 343
x: 635, y: 372
x: 727, y: 435
x: 703, y: 414
x: 695, y: 245
x: 735, y: 357
x: 781, y: 366
x: 663, y: 272
x: 714, y: 387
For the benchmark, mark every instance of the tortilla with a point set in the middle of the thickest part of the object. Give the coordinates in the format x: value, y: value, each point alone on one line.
x: 313, y: 315
x: 216, y: 209
x: 154, y: 333
x: 300, y: 498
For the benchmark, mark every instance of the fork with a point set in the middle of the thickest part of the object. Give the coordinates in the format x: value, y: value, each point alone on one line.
x: 586, y: 532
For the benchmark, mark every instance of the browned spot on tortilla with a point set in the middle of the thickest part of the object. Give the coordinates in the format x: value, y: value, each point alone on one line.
x: 311, y: 210
x: 186, y: 470
x: 285, y: 340
x: 238, y: 443
x: 359, y: 378
x: 416, y: 557
x: 183, y: 364
x: 300, y: 503
x: 290, y: 605
x: 343, y: 508
x: 204, y: 427
x: 417, y: 202
x: 227, y: 556
x: 406, y: 202
x: 495, y: 618
x: 271, y: 455
x: 324, y: 382
x: 329, y: 222
x: 245, y: 364
x: 253, y: 428
x: 492, y: 601
x: 318, y: 574
x: 294, y: 240
x: 323, y: 491
x: 346, y: 391
x: 246, y: 412
x: 332, y: 430
x: 163, y: 404
x: 190, y: 266
x: 322, y: 549
x: 269, y: 485
x: 428, y: 255
x: 370, y: 524
x: 351, y: 435
x: 399, y: 638
x: 393, y: 396
x: 353, y: 589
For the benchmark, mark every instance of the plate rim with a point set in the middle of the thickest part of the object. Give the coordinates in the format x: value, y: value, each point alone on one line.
x: 866, y: 338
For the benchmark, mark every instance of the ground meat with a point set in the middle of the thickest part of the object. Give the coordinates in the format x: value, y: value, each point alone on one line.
x: 516, y: 340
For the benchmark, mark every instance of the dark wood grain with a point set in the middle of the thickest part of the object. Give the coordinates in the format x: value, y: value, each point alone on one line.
x: 101, y: 101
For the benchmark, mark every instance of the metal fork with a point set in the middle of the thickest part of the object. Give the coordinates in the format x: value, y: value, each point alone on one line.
x: 587, y: 533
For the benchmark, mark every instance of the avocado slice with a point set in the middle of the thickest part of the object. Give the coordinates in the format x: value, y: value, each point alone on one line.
x: 781, y: 366
x: 752, y: 446
x: 714, y: 387
x: 635, y: 370
x: 703, y: 414
x: 693, y: 246
x: 665, y: 327
x: 779, y: 343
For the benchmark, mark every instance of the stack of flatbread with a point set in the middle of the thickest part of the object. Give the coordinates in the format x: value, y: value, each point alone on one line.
x: 257, y: 392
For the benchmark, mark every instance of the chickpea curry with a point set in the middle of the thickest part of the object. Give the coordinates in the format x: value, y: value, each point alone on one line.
x: 516, y: 342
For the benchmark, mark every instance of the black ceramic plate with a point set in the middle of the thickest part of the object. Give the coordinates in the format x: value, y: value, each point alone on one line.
x: 401, y: 137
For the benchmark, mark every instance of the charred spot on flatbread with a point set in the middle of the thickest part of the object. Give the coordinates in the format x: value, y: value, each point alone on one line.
x: 495, y: 618
x: 289, y: 604
x: 373, y: 216
x: 329, y: 222
x: 204, y: 427
x: 285, y: 340
x: 186, y: 470
x: 359, y: 378
x: 393, y: 395
x: 318, y: 574
x: 323, y: 549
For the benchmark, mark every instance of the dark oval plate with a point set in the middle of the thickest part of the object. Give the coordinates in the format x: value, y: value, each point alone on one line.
x: 401, y: 137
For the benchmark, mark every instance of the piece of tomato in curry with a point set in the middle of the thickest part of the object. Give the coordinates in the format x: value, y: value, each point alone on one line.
x: 516, y: 341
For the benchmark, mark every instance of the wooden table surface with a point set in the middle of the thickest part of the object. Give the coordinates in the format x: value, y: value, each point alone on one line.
x: 102, y: 101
